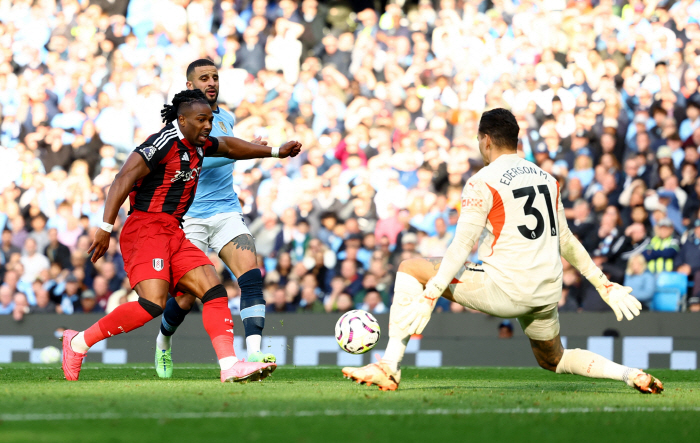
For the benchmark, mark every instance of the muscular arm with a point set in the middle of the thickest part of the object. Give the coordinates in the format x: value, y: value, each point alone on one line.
x: 237, y: 149
x: 133, y: 170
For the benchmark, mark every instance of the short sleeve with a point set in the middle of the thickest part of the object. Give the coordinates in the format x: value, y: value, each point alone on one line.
x: 152, y: 155
x: 211, y: 146
x: 476, y: 202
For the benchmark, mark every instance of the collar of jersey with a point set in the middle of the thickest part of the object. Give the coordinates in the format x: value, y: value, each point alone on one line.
x: 177, y: 130
x: 505, y: 156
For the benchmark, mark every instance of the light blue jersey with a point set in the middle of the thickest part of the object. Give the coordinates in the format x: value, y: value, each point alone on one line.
x: 215, y: 194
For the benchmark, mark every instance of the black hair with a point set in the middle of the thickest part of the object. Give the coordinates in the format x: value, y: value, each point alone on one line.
x: 656, y: 107
x: 501, y: 126
x: 186, y: 97
x: 198, y: 64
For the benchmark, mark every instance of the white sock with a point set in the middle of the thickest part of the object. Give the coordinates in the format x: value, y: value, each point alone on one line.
x: 252, y: 343
x: 163, y: 342
x: 586, y: 363
x: 78, y: 343
x: 394, y: 352
x: 227, y: 363
x: 406, y: 288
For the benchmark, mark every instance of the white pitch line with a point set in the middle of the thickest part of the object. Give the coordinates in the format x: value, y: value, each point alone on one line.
x: 213, y: 366
x: 334, y: 413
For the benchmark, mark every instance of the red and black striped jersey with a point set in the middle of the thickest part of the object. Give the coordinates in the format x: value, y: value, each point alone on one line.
x: 175, y: 166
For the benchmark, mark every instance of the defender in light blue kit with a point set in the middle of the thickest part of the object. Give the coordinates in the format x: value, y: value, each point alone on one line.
x: 215, y: 221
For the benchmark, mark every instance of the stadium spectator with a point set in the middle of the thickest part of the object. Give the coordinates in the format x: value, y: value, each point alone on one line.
x: 21, y: 306
x: 44, y: 305
x: 662, y: 248
x: 88, y: 303
x: 7, y: 304
x: 372, y: 302
x: 309, y: 301
x: 279, y: 302
x: 505, y: 329
x: 33, y: 261
x: 640, y: 280
x: 694, y: 304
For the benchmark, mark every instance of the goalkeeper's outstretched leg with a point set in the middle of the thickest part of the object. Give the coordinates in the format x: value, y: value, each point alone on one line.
x: 473, y: 289
x: 551, y: 355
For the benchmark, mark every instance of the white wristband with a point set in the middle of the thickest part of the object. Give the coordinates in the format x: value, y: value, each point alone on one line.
x: 275, y: 152
x: 106, y: 227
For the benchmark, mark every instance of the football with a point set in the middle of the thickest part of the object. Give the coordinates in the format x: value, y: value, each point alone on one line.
x: 357, y: 332
x: 50, y: 354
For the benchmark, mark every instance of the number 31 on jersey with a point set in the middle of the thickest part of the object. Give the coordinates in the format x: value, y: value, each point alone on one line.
x: 531, y: 194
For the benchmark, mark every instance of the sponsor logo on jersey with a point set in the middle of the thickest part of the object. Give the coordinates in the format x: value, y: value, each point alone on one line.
x: 158, y: 264
x: 472, y: 202
x: 185, y: 176
x: 185, y: 157
x: 223, y: 127
x: 148, y: 151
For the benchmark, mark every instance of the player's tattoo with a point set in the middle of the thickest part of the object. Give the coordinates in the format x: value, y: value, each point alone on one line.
x: 244, y: 242
x: 548, y: 353
x: 435, y: 261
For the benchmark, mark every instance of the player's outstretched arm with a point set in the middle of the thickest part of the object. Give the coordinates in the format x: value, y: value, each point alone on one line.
x: 133, y: 170
x: 215, y: 162
x: 416, y: 317
x: 237, y: 149
x: 620, y: 299
x: 475, y: 209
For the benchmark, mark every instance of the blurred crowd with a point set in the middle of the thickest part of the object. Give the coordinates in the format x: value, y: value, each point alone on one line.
x: 386, y: 103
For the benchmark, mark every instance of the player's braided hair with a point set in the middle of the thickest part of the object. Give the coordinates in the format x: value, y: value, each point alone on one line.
x: 186, y: 97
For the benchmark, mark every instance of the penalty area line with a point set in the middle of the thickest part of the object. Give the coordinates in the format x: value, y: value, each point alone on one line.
x: 334, y: 413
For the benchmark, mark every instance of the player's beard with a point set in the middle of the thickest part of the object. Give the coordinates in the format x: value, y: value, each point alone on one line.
x: 212, y: 102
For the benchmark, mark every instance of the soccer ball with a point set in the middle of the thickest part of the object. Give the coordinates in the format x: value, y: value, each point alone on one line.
x: 50, y: 354
x: 357, y: 332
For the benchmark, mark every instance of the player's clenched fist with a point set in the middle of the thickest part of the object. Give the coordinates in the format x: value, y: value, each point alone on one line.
x: 99, y: 245
x: 290, y: 149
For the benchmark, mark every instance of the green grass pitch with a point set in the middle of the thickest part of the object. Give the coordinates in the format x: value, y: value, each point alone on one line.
x: 129, y: 404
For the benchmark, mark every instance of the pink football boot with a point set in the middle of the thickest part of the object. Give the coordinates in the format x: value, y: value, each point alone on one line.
x: 244, y: 371
x: 72, y: 361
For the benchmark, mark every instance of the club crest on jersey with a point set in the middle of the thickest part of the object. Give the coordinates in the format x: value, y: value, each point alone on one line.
x: 158, y: 264
x: 148, y: 151
x: 200, y: 152
x: 223, y: 127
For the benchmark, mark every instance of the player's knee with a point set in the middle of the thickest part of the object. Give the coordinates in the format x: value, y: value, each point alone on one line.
x: 415, y: 267
x: 409, y: 266
x: 152, y: 308
x: 217, y: 291
x: 549, y: 361
x: 547, y: 364
x: 185, y: 302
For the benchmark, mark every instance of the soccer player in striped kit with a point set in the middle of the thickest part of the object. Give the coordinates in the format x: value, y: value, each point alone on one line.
x: 160, y: 178
x: 215, y: 221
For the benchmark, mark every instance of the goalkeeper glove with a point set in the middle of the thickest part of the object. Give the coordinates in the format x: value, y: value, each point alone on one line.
x: 618, y: 297
x: 417, y: 314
